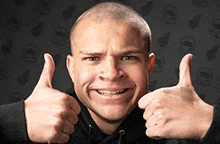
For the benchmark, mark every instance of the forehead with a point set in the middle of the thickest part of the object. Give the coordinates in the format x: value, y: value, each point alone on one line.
x: 91, y: 35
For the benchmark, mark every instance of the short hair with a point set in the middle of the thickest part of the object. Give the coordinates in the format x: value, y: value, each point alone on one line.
x: 118, y: 12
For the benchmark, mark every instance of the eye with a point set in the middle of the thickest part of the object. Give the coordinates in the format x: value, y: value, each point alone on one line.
x: 92, y: 58
x: 129, y: 58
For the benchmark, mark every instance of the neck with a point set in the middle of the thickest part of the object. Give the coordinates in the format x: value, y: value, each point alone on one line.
x: 105, y: 126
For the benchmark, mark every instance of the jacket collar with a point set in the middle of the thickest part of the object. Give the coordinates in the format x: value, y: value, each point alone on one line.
x: 132, y: 129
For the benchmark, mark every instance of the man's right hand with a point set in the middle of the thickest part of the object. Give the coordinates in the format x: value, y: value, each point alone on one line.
x: 50, y: 114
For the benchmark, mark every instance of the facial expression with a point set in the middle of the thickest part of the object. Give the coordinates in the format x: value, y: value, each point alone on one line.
x: 109, y: 68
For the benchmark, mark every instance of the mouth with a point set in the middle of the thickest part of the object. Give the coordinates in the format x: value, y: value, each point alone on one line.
x: 111, y: 92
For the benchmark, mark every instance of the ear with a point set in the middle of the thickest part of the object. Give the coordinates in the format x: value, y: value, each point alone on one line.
x: 70, y: 66
x: 151, y: 61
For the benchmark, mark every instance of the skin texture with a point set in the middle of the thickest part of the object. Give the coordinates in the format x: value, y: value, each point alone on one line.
x: 50, y: 114
x: 109, y: 56
x: 124, y: 65
x: 177, y: 112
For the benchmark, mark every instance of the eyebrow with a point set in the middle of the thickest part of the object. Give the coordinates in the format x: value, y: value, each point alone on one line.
x: 90, y: 53
x: 121, y: 53
x: 131, y: 51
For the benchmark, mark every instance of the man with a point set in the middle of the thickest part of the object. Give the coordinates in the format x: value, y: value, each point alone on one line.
x: 110, y: 67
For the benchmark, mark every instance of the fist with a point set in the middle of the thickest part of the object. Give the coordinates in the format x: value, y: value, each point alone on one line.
x: 50, y: 114
x: 177, y: 112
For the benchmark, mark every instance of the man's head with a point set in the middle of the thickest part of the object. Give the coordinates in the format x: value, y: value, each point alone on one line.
x: 110, y: 11
x: 110, y: 64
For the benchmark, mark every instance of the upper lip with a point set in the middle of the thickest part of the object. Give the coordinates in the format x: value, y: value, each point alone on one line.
x: 110, y: 88
x: 111, y: 92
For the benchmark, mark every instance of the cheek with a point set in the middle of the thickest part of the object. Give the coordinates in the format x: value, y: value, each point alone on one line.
x: 83, y: 77
x: 138, y: 74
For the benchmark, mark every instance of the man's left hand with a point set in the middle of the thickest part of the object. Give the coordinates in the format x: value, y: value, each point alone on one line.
x: 177, y: 112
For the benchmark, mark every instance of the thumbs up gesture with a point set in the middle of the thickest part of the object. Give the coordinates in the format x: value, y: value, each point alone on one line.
x: 50, y: 114
x: 177, y: 112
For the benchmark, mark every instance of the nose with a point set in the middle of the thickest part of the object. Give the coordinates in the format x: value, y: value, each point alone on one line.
x: 110, y: 70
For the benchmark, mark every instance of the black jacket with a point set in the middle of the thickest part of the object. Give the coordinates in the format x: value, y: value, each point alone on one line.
x: 131, y: 131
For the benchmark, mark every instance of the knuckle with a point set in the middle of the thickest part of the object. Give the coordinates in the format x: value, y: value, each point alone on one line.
x: 162, y: 117
x: 163, y: 123
x: 58, y: 123
x: 164, y: 92
x: 63, y: 97
x: 161, y: 114
x: 53, y: 137
x: 161, y: 91
x: 61, y: 111
x: 158, y: 103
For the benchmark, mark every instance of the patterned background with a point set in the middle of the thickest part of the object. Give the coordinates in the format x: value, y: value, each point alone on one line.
x: 29, y: 28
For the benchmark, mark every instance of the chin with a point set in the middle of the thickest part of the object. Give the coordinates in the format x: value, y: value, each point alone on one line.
x: 114, y: 113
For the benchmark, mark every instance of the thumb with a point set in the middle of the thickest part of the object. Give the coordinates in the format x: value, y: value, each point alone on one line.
x: 47, y: 73
x: 185, y: 75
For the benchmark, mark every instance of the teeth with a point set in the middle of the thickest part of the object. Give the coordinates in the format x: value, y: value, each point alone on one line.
x: 107, y: 92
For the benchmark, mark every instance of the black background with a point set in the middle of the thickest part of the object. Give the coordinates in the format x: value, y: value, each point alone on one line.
x: 29, y: 28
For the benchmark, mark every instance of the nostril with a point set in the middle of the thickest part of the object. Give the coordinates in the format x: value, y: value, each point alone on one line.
x: 122, y: 76
x: 112, y: 74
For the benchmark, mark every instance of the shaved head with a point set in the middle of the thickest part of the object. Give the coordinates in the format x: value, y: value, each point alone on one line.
x: 111, y: 11
x: 110, y: 64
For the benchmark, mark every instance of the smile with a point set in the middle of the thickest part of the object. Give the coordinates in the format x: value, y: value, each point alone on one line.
x: 111, y: 92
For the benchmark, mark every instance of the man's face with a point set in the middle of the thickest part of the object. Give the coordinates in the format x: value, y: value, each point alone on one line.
x: 109, y: 68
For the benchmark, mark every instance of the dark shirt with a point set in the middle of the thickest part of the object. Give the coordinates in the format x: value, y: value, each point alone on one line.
x: 131, y: 131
